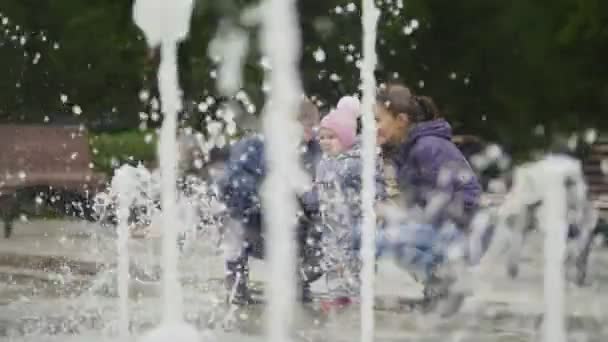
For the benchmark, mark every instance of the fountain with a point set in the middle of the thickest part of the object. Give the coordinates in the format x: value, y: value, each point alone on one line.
x: 370, y: 19
x: 279, y: 26
x: 555, y: 224
x: 125, y: 182
x: 175, y: 17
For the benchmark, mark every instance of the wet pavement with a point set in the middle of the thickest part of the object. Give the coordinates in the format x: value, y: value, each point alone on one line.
x: 57, y: 283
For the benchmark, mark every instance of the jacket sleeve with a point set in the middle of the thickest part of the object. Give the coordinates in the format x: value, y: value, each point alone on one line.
x: 354, y: 178
x: 240, y: 184
x: 446, y: 173
x: 310, y: 202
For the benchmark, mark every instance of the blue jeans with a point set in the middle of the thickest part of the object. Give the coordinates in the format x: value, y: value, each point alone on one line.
x: 420, y: 248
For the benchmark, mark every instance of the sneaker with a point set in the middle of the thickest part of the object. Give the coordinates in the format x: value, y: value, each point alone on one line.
x: 305, y: 293
x: 236, y: 282
x: 335, y: 304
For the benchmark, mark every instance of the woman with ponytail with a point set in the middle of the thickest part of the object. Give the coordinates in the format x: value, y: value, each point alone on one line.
x: 439, y: 192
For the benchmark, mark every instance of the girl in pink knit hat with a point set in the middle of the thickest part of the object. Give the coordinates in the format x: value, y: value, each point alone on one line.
x: 338, y: 130
x: 336, y: 196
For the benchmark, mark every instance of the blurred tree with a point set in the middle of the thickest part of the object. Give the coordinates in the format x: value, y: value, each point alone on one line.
x: 517, y: 72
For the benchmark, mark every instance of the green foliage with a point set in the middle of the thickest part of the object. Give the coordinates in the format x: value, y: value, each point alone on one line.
x: 496, y: 68
x: 132, y: 147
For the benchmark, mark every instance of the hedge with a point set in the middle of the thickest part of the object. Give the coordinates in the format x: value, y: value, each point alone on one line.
x: 111, y: 150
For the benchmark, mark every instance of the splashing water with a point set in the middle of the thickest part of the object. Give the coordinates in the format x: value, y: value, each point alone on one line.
x: 556, y: 171
x: 124, y: 182
x: 370, y: 20
x: 175, y: 16
x: 229, y: 48
x: 279, y: 30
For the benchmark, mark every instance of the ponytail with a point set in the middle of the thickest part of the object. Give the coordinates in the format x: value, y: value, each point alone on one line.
x: 398, y: 99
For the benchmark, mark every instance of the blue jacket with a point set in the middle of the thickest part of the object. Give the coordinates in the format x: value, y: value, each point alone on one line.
x: 245, y: 172
x: 430, y: 164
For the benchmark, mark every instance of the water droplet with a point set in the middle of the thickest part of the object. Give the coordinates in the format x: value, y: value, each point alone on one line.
x: 56, y: 46
x: 23, y: 40
x: 203, y: 107
x: 573, y: 142
x: 143, y: 116
x: 349, y: 58
x: 74, y: 155
x: 155, y: 116
x: 154, y: 104
x: 421, y: 84
x: 407, y: 30
x: 414, y: 23
x: 46, y: 118
x: 484, y: 117
x: 213, y: 74
x: 242, y: 96
x: 497, y: 186
x: 604, y: 166
x: 38, y: 200
x: 319, y: 55
x: 251, y: 109
x: 335, y: 77
x: 539, y: 130
x: 453, y: 75
x: 144, y: 95
x: 351, y: 7
x: 91, y: 166
x: 339, y: 10
x: 210, y: 100
x: 231, y: 128
x: 467, y: 80
x: 36, y: 58
x: 23, y: 218
x: 214, y: 128
x: 493, y: 152
x: 148, y: 138
x: 63, y: 98
x: 265, y: 63
x: 198, y: 163
x: 22, y: 175
x: 4, y: 21
x: 76, y: 110
x: 590, y: 136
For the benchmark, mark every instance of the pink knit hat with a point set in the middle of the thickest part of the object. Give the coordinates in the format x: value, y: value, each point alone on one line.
x: 343, y: 120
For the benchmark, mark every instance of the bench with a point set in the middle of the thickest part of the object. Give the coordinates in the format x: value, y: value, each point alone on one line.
x: 54, y: 162
x: 594, y: 166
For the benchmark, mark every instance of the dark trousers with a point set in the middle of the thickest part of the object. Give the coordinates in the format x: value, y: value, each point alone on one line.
x: 308, y: 240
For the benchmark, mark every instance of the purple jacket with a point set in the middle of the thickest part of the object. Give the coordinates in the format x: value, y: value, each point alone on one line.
x: 429, y: 164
